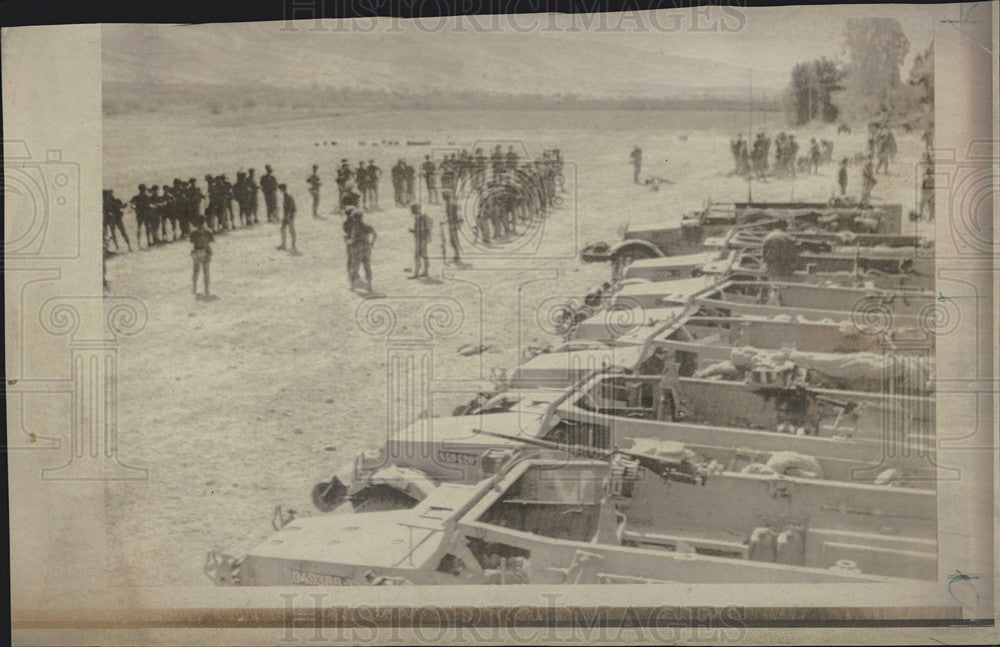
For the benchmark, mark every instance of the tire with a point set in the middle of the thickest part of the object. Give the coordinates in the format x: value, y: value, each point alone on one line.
x: 326, y: 496
x: 379, y: 498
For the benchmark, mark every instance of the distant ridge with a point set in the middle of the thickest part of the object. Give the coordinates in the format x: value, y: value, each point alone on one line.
x: 186, y: 60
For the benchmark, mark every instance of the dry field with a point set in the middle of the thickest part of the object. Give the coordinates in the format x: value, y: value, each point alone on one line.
x: 243, y: 403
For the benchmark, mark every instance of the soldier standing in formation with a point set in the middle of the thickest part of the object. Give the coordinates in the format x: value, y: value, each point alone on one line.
x: 451, y: 216
x: 113, y: 218
x: 140, y: 204
x: 252, y: 188
x: 636, y: 157
x: 269, y: 185
x: 421, y: 231
x: 314, y: 184
x: 242, y: 195
x: 428, y: 170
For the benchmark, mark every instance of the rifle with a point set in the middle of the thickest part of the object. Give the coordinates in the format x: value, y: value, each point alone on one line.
x: 682, y: 471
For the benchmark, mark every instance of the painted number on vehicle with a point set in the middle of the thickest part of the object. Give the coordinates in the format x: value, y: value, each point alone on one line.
x: 319, y: 579
x: 455, y: 457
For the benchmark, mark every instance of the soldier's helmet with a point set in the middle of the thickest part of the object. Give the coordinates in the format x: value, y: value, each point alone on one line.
x: 415, y: 209
x: 208, y: 178
x: 192, y: 181
x: 267, y: 167
x: 251, y: 171
x: 315, y: 166
x: 142, y: 187
x: 106, y: 191
x: 281, y: 187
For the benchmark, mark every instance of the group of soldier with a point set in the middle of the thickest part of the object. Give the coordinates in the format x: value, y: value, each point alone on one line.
x: 166, y: 213
x: 754, y: 161
x: 880, y: 151
x: 881, y: 146
x: 356, y: 186
x: 502, y: 190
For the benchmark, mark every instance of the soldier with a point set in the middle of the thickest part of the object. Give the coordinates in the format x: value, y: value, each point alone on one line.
x: 175, y: 203
x: 314, y: 184
x: 349, y: 197
x: 252, y: 187
x: 744, y: 157
x: 886, y: 150
x: 636, y: 157
x: 398, y: 171
x: 288, y: 218
x: 868, y: 181
x: 927, y: 195
x: 478, y: 163
x: 779, y: 253
x: 793, y: 154
x: 428, y: 171
x: 421, y: 231
x: 496, y: 161
x: 201, y: 253
x: 194, y: 198
x: 451, y: 215
x: 666, y: 400
x: 113, y: 218
x: 352, y: 263
x: 448, y: 173
x: 226, y: 202
x: 155, y: 206
x: 842, y: 176
x: 512, y: 158
x: 362, y: 239
x: 140, y: 204
x: 361, y: 180
x: 374, y: 173
x: 814, y: 155
x: 269, y: 185
x: 212, y: 206
x: 241, y: 194
x: 409, y: 181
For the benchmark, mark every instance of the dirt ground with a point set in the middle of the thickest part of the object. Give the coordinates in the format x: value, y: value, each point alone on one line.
x: 242, y: 403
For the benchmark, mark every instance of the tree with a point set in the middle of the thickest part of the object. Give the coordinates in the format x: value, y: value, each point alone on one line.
x: 922, y: 77
x: 876, y: 49
x: 811, y: 91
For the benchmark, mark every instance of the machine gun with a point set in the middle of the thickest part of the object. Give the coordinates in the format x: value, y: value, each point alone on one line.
x: 682, y: 471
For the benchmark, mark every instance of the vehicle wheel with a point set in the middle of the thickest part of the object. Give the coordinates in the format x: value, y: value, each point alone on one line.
x: 328, y: 495
x: 379, y: 498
